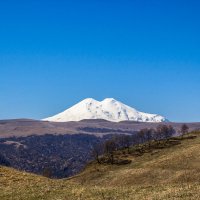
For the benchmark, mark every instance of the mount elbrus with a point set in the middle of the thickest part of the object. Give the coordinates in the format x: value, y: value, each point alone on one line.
x: 109, y: 109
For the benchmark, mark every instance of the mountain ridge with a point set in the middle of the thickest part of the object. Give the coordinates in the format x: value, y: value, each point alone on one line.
x: 109, y: 109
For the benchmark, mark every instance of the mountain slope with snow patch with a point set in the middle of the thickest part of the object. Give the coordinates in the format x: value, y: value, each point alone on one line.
x: 108, y: 109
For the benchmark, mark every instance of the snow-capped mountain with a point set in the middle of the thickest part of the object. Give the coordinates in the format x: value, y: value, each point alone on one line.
x: 108, y: 109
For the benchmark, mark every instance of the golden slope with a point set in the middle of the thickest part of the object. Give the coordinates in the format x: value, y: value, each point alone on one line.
x: 169, y: 173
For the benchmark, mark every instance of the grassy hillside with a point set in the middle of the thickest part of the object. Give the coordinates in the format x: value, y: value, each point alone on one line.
x: 167, y: 171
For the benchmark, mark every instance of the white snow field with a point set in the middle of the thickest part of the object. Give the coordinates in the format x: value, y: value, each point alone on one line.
x: 108, y: 109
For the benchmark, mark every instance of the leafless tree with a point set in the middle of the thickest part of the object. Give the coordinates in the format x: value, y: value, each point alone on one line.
x: 164, y: 132
x: 109, y: 148
x: 141, y: 136
x: 97, y: 151
x: 184, y: 129
x: 125, y: 141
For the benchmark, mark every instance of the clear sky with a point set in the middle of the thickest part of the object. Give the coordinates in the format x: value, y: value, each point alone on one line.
x: 54, y: 53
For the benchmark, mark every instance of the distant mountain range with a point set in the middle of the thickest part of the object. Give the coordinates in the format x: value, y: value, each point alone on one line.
x: 109, y: 109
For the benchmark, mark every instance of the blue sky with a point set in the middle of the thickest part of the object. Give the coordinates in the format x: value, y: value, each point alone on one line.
x: 144, y: 53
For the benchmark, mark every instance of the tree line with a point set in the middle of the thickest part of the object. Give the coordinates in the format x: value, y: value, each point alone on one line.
x: 146, y: 135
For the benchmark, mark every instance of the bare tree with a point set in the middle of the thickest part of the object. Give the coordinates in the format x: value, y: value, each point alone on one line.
x: 164, y: 132
x: 170, y: 132
x: 97, y: 151
x: 109, y: 148
x: 141, y: 136
x: 149, y: 135
x: 184, y: 129
x: 124, y: 141
x: 127, y: 142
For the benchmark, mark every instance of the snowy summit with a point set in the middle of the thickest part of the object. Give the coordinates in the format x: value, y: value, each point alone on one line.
x: 108, y: 109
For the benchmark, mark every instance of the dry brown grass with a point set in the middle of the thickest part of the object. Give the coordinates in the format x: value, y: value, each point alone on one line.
x: 169, y: 173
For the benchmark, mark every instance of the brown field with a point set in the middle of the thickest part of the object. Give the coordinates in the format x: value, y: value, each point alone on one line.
x: 170, y: 172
